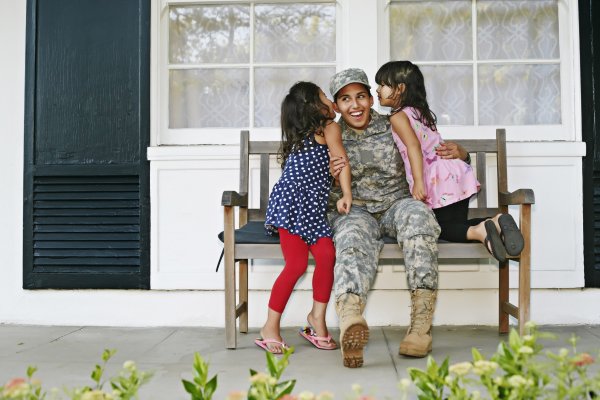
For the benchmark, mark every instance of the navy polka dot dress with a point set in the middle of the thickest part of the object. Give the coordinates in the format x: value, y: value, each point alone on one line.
x: 298, y: 201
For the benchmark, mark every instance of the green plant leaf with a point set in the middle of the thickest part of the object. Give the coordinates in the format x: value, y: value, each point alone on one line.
x: 253, y: 372
x: 210, y: 388
x: 443, y: 370
x: 284, y: 388
x: 107, y: 354
x: 96, y: 374
x: 201, y: 369
x: 431, y: 365
x: 31, y: 370
x: 191, y: 388
x: 514, y: 340
x: 476, y: 354
x: 271, y: 364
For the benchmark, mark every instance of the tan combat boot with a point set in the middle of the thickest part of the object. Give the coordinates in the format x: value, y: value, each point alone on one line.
x: 354, y: 331
x: 417, y: 342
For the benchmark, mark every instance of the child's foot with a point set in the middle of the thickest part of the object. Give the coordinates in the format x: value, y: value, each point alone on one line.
x: 271, y: 341
x: 319, y: 327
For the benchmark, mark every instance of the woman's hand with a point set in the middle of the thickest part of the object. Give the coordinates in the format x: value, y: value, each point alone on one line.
x: 344, y: 204
x: 450, y: 150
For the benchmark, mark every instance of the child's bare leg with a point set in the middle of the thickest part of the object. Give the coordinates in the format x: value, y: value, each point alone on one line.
x: 477, y: 232
x: 316, y: 319
x: 271, y: 330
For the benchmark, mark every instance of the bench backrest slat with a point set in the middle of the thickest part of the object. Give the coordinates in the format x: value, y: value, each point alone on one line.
x: 264, y: 181
x: 481, y: 147
x: 481, y: 177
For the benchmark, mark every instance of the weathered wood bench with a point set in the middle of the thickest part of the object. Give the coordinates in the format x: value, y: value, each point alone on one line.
x: 250, y: 242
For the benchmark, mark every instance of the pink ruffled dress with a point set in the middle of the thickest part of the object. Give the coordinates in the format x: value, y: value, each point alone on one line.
x: 446, y: 181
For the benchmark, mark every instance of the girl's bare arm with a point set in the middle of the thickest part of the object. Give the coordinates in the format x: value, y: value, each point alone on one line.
x: 405, y: 132
x: 333, y: 138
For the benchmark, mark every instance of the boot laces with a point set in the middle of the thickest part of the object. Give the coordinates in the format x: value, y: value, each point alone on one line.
x: 350, y: 308
x: 419, y: 319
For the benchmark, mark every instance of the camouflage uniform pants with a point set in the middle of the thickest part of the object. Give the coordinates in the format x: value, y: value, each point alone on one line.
x: 358, y: 242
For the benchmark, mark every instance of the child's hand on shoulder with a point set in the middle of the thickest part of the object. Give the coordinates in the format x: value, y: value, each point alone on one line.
x: 419, y: 192
x: 344, y: 204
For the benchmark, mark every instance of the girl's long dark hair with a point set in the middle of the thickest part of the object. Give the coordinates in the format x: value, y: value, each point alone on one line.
x: 394, y: 73
x: 303, y: 114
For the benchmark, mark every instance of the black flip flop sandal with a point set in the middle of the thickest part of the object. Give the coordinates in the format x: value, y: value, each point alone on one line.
x: 494, y: 241
x: 511, y: 235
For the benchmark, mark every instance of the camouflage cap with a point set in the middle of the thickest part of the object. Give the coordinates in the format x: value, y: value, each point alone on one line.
x: 346, y: 77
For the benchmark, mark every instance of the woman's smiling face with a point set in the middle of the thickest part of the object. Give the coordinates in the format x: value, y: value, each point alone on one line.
x: 354, y: 103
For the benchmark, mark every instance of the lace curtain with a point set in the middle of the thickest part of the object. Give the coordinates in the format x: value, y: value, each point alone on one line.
x: 507, y: 72
x: 213, y: 70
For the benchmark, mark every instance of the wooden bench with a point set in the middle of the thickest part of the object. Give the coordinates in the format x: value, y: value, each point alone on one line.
x: 250, y: 241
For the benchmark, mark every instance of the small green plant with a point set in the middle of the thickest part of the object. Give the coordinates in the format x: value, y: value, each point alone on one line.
x: 23, y: 389
x: 266, y: 386
x: 199, y: 388
x: 125, y: 386
x: 515, y: 371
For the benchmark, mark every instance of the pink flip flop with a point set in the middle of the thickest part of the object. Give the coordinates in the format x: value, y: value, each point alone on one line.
x: 263, y: 343
x: 309, y: 334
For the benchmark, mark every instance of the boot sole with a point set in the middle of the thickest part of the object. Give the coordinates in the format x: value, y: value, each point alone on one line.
x: 411, y: 351
x: 354, y: 340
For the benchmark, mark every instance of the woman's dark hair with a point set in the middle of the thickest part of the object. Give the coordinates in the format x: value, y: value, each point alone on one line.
x: 303, y: 115
x: 394, y: 73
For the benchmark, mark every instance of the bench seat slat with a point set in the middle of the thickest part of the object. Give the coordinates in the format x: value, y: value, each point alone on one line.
x: 390, y: 251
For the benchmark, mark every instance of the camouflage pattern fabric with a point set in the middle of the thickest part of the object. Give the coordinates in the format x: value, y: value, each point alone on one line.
x: 382, y: 205
x: 415, y: 228
x: 378, y: 177
x: 346, y: 77
x: 358, y: 242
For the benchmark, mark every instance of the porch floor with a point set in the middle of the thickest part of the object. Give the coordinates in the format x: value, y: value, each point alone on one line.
x: 66, y: 355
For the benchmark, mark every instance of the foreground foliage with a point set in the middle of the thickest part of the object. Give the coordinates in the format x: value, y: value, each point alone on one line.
x: 517, y: 370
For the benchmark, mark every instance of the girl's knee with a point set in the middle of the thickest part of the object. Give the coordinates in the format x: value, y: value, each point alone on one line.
x: 324, y: 252
x: 294, y: 269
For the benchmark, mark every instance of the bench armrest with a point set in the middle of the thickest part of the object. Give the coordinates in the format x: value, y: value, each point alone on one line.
x: 233, y: 198
x: 519, y: 196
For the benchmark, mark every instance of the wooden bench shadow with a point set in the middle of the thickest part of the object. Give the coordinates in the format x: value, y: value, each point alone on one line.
x: 250, y: 242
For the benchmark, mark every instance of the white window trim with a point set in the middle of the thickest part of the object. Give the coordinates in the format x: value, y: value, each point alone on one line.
x: 570, y: 127
x: 359, y: 24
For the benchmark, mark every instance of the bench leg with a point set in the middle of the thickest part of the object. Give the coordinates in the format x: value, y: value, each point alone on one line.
x: 503, y: 295
x: 525, y: 268
x: 230, y: 305
x: 243, y: 282
x: 229, y: 273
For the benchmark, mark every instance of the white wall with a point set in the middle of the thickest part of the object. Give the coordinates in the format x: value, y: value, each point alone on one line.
x: 186, y: 185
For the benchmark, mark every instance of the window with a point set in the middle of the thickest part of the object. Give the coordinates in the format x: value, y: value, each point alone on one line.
x: 490, y: 63
x: 229, y: 65
x: 223, y: 66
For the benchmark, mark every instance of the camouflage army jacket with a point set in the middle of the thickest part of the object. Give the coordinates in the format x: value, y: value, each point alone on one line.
x: 378, y: 177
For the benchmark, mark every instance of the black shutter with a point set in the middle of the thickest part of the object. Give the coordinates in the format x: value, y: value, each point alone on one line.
x: 86, y: 185
x: 589, y: 32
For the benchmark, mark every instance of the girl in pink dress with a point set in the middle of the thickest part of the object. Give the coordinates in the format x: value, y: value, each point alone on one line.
x: 445, y: 185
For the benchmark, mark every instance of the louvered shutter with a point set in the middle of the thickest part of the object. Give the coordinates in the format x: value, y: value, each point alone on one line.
x: 589, y: 14
x: 86, y: 189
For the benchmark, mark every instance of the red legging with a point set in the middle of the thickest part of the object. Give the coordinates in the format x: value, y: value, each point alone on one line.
x: 295, y: 253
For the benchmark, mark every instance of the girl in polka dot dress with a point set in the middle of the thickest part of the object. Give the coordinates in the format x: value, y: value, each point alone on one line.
x: 297, y: 210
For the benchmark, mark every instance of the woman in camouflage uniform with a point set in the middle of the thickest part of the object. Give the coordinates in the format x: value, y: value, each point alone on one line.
x: 382, y: 205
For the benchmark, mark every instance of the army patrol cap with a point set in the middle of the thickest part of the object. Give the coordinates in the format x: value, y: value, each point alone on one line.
x: 346, y: 77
